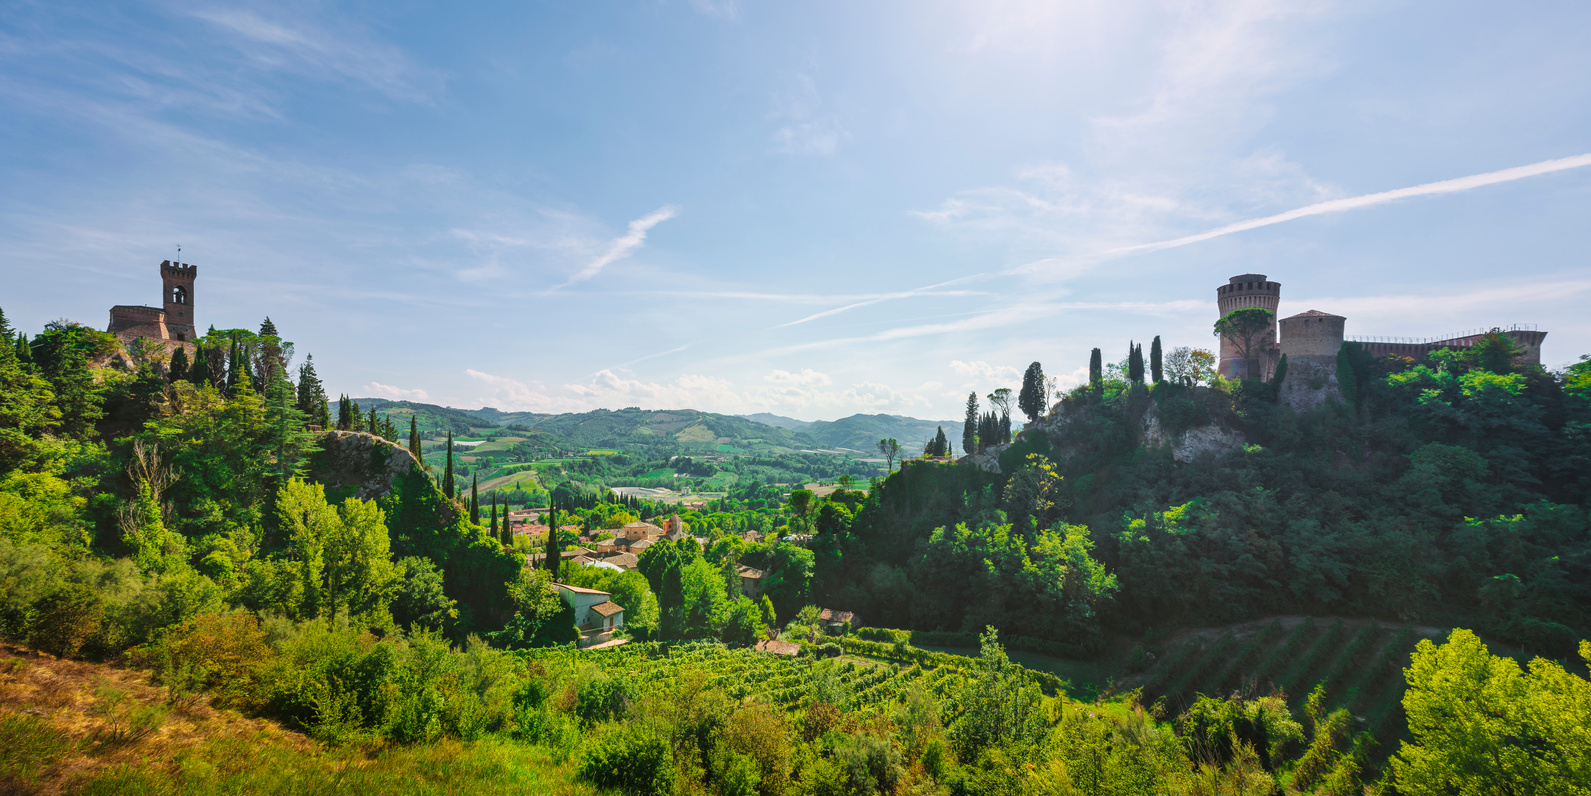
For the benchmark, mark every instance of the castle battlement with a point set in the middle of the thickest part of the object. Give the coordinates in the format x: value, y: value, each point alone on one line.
x: 173, y: 321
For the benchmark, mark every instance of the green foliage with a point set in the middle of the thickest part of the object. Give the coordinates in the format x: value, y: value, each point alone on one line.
x: 629, y: 758
x: 1481, y: 724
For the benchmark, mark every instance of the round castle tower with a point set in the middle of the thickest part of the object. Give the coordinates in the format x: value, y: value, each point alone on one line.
x: 1242, y: 292
x: 1312, y: 334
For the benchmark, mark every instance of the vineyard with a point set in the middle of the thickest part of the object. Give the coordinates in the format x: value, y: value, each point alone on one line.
x: 1359, y: 663
x: 857, y: 688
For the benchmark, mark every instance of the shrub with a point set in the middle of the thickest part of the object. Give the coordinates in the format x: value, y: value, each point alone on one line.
x: 602, y: 697
x: 631, y: 758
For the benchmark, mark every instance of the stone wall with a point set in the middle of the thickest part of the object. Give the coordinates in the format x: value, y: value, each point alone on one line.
x: 1311, y: 382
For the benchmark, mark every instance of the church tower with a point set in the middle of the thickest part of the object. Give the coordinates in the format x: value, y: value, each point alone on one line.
x: 177, y: 281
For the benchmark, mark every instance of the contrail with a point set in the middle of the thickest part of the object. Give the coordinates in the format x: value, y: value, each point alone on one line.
x: 1356, y: 202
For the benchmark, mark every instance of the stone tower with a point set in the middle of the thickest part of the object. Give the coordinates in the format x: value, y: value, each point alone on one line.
x: 1242, y: 292
x: 177, y: 281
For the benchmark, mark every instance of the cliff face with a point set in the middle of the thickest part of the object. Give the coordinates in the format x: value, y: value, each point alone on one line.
x: 365, y: 462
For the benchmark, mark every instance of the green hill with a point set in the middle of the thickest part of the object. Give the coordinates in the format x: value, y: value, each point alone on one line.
x: 862, y: 432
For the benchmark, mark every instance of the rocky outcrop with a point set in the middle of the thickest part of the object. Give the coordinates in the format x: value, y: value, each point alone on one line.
x: 365, y: 462
x: 1206, y: 440
x: 988, y: 459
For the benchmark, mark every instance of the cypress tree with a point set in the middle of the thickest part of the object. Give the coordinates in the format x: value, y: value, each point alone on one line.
x: 1155, y: 371
x: 1031, y: 397
x: 355, y: 416
x: 447, y: 471
x: 233, y: 365
x: 554, y: 554
x: 1005, y: 427
x: 969, y: 428
x: 344, y: 421
x: 373, y: 425
x: 493, y: 525
x: 475, y: 499
x: 1135, y: 363
x: 199, y: 374
x: 1096, y: 368
x: 178, y: 369
x: 414, y: 439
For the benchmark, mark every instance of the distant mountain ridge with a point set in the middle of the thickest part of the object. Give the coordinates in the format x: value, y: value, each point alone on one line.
x: 603, y: 428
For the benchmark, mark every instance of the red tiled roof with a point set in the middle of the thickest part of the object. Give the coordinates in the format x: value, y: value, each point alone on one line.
x: 609, y: 608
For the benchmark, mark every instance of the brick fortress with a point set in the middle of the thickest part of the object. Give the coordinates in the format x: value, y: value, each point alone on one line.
x: 1311, y: 340
x: 173, y: 321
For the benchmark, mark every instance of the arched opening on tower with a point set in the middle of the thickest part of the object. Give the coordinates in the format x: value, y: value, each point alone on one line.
x: 179, y: 295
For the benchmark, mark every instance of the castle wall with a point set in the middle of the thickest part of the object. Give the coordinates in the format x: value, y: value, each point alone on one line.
x: 129, y: 321
x: 1529, y: 342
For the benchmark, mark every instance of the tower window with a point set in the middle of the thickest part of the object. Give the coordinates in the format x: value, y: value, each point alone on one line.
x: 179, y: 295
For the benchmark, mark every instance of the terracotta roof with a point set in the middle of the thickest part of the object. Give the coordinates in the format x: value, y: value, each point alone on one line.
x: 748, y: 572
x: 578, y: 589
x: 626, y: 560
x: 830, y: 615
x: 609, y: 608
x: 779, y: 647
x: 640, y: 544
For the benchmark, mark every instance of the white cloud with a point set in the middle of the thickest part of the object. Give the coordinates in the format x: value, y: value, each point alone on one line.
x: 395, y: 393
x: 1000, y: 375
x: 806, y: 393
x: 807, y: 129
x: 806, y: 378
x: 724, y: 9
x: 332, y: 48
x: 621, y: 247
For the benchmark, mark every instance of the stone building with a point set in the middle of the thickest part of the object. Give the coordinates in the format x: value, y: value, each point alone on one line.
x: 173, y: 321
x: 1313, y: 333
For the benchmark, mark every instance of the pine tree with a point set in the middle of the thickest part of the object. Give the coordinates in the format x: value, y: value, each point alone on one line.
x: 493, y: 526
x: 355, y: 416
x: 389, y: 430
x: 1155, y: 371
x: 178, y: 369
x: 1096, y: 369
x: 414, y: 440
x: 447, y: 471
x: 373, y: 425
x: 311, y: 392
x: 345, y: 421
x: 475, y: 499
x: 25, y: 353
x: 969, y: 428
x: 268, y: 329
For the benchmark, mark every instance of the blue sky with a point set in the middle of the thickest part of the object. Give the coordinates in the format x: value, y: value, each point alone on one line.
x: 813, y: 208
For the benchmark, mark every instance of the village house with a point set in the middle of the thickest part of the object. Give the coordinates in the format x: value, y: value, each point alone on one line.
x: 751, y: 582
x: 596, y: 615
x: 838, y: 621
